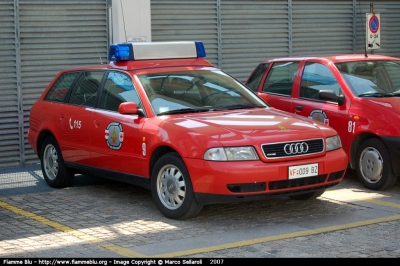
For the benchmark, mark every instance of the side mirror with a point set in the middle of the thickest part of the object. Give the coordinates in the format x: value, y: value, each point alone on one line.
x: 130, y: 108
x: 329, y: 95
x: 263, y: 96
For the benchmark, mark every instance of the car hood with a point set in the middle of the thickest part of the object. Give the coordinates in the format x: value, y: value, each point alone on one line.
x: 245, y: 127
x: 392, y: 103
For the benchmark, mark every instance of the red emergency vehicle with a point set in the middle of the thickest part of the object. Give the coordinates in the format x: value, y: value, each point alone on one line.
x: 358, y: 95
x: 161, y: 116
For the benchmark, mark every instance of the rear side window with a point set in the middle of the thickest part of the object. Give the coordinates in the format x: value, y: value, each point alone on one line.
x: 85, y: 89
x: 254, y: 81
x: 60, y: 88
x: 280, y: 78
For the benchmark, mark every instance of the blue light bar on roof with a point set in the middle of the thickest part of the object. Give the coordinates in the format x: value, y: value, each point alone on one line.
x: 120, y: 52
x: 156, y: 50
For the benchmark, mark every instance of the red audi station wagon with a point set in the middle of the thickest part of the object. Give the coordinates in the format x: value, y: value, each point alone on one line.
x: 161, y: 116
x: 356, y: 94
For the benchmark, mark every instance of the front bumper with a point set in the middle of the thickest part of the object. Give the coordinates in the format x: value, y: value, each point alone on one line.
x: 215, y: 182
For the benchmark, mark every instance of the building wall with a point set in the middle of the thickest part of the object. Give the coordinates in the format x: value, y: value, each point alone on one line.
x: 131, y: 21
x: 38, y: 38
x: 239, y: 34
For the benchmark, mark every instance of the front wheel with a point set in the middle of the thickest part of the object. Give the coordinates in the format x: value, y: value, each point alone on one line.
x: 172, y: 190
x: 54, y: 171
x: 309, y: 195
x: 373, y: 165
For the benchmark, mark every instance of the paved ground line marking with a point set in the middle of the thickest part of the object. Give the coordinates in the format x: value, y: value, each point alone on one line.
x: 373, y: 201
x: 71, y: 231
x: 130, y: 253
x: 381, y: 202
x: 277, y: 237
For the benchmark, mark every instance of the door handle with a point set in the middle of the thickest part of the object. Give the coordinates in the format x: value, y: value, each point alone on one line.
x: 299, y: 108
x: 97, y: 122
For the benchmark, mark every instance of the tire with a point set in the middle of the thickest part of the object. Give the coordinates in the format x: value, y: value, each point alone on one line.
x: 172, y: 189
x: 309, y: 195
x: 54, y: 171
x: 374, y: 166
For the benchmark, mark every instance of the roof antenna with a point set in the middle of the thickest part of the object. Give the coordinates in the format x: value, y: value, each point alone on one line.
x: 365, y: 33
x: 101, y: 60
x: 123, y: 19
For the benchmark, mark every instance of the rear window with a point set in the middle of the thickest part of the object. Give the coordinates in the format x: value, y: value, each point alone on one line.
x: 255, y: 79
x: 60, y: 88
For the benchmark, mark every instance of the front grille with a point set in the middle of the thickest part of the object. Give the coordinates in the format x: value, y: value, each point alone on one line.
x: 277, y: 150
x: 298, y: 182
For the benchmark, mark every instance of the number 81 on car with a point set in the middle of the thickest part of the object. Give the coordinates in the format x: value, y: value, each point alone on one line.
x: 304, y: 170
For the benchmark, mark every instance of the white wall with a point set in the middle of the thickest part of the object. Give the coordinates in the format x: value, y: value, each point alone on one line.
x: 130, y: 21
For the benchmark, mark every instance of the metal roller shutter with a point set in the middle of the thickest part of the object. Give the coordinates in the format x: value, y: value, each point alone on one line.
x: 322, y: 27
x: 187, y: 21
x: 252, y: 31
x: 39, y: 38
x: 10, y: 138
x: 55, y: 35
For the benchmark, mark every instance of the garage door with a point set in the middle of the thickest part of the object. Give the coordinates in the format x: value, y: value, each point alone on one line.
x: 39, y: 38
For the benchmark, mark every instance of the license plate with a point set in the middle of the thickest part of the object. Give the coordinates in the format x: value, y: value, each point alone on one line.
x: 304, y: 170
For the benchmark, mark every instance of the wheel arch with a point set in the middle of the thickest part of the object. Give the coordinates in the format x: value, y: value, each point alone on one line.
x: 356, y: 143
x: 42, y: 136
x: 157, y: 153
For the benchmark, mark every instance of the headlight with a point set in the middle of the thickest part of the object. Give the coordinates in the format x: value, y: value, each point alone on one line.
x: 333, y: 143
x: 231, y: 154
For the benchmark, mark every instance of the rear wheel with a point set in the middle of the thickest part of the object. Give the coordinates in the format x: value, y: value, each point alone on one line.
x: 309, y: 196
x: 54, y: 171
x: 172, y: 190
x: 373, y: 165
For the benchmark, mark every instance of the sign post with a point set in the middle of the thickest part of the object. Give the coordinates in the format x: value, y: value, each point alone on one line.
x: 373, y: 35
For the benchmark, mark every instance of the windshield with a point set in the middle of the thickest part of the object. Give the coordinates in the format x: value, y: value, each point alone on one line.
x: 196, y: 90
x: 374, y: 78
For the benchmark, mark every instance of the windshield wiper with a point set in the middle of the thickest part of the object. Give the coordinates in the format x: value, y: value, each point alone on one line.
x: 237, y: 106
x: 375, y: 94
x: 394, y: 94
x: 184, y: 110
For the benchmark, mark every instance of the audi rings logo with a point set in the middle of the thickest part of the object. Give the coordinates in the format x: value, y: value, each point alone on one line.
x: 296, y: 148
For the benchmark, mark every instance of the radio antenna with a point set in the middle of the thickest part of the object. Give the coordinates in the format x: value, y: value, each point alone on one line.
x: 101, y: 60
x: 123, y: 19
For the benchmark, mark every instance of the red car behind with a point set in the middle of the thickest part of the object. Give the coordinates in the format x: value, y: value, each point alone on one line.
x: 358, y: 95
